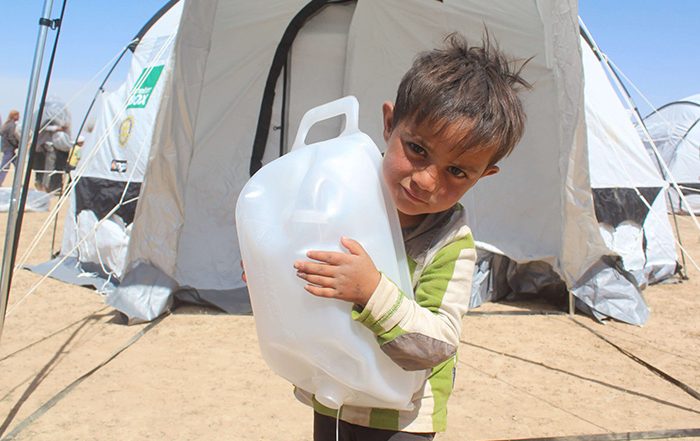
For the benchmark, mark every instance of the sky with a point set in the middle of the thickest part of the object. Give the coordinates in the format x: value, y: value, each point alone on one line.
x: 656, y: 44
x: 93, y: 33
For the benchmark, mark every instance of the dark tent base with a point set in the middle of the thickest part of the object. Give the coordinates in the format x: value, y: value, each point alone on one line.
x: 605, y: 291
x: 233, y: 301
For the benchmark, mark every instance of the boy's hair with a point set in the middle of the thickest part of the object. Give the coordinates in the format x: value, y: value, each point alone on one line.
x: 474, y: 87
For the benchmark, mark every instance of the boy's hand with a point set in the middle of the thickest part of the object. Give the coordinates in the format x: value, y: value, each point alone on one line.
x: 346, y: 276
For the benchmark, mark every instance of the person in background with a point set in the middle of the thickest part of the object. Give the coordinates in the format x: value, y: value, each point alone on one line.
x: 39, y: 154
x: 56, y: 157
x: 9, y: 143
x: 74, y: 156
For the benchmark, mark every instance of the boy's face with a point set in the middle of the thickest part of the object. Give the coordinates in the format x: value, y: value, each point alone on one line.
x: 424, y: 172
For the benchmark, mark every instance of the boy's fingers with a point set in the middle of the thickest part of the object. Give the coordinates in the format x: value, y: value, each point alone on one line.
x: 243, y: 276
x: 321, y: 292
x: 324, y: 282
x: 329, y: 257
x: 318, y: 269
x: 353, y: 246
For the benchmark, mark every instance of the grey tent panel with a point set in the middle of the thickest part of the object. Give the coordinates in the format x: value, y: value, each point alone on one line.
x: 146, y: 292
x: 609, y: 291
x: 233, y: 301
x: 605, y: 290
x: 73, y: 272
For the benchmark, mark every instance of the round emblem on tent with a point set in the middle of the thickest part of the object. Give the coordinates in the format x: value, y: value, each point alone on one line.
x: 125, y: 130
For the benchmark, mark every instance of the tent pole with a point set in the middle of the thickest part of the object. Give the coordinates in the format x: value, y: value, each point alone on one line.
x: 683, y: 270
x: 572, y: 303
x: 98, y: 92
x: 284, y: 119
x: 287, y: 92
x: 21, y: 171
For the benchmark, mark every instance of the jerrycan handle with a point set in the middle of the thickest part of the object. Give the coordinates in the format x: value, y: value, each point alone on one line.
x: 348, y: 106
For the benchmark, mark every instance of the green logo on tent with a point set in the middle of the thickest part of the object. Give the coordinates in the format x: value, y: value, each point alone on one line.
x: 147, y: 82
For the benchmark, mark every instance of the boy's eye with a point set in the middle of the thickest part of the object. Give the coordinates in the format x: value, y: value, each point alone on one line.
x: 454, y: 171
x: 415, y: 148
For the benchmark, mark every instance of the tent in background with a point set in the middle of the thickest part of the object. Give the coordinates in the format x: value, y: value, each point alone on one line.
x: 628, y: 196
x: 628, y: 190
x: 675, y: 130
x: 230, y: 107
x: 227, y: 110
x: 113, y: 163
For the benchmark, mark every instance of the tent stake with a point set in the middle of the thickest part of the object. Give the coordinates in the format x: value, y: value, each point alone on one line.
x: 572, y: 303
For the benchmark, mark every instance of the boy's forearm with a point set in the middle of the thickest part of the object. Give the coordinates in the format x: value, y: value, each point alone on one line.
x: 423, y: 333
x: 410, y: 348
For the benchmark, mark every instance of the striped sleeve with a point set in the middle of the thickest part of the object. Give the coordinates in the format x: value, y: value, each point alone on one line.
x: 422, y: 333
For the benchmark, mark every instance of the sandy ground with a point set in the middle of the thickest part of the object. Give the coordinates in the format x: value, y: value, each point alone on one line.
x: 69, y: 370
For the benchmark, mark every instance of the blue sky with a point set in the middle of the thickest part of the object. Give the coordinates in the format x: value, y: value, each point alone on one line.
x: 93, y: 33
x: 655, y: 43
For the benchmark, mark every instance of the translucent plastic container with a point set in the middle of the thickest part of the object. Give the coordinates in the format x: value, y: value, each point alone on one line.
x: 307, y: 200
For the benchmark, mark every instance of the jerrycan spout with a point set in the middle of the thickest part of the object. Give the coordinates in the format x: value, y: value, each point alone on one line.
x: 331, y: 394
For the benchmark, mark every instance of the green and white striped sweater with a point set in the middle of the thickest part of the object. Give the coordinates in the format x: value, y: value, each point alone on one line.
x: 422, y: 333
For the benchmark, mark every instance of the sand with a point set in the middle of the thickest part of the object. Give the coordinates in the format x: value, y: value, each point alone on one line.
x: 71, y: 370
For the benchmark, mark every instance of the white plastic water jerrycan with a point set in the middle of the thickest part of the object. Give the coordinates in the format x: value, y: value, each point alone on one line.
x: 306, y: 200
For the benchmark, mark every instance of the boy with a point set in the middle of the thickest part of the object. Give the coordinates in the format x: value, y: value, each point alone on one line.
x: 456, y: 115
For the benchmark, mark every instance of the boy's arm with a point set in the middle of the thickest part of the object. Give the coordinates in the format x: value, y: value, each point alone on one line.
x: 422, y: 333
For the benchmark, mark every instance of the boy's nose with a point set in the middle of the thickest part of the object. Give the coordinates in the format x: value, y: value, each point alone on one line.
x: 426, y: 178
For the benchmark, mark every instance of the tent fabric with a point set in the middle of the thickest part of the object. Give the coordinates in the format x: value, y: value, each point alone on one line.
x: 100, y: 196
x: 675, y: 131
x: 124, y: 126
x: 625, y: 187
x: 71, y: 270
x: 111, y: 176
x: 184, y: 225
x: 36, y: 200
x: 616, y: 205
x: 563, y: 215
x: 114, y: 157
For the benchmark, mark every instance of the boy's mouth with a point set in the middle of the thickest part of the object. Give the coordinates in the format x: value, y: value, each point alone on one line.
x: 412, y: 196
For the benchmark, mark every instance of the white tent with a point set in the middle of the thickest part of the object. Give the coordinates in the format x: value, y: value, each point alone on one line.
x: 675, y: 130
x: 229, y: 108
x: 113, y: 162
x: 628, y: 190
x: 245, y: 72
x: 628, y: 195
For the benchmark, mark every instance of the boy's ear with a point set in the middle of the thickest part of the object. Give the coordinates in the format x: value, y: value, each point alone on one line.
x: 490, y: 170
x: 388, y: 117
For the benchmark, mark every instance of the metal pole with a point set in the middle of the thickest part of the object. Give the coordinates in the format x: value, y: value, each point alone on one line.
x: 571, y: 303
x: 21, y: 171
